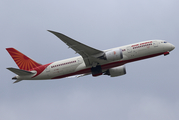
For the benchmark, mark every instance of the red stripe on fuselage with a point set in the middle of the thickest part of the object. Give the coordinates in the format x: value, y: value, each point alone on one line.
x: 108, y: 66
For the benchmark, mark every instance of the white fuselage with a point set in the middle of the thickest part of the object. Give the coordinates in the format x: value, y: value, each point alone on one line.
x: 76, y: 65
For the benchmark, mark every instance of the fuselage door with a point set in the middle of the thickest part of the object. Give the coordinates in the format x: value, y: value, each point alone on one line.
x: 129, y: 49
x: 155, y: 44
x: 48, y: 68
x: 79, y: 61
x: 48, y: 71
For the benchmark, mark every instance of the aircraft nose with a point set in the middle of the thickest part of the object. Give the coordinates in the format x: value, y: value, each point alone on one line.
x: 172, y: 47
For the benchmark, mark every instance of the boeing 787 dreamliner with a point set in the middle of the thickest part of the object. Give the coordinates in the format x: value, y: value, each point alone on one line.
x: 92, y: 61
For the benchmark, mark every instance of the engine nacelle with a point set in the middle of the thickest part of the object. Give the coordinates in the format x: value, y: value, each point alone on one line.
x: 117, y: 71
x: 114, y: 54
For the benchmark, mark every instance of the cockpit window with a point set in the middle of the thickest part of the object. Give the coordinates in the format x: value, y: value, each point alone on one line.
x: 165, y: 41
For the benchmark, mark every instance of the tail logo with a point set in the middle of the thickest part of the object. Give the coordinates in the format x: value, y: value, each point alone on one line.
x: 22, y: 61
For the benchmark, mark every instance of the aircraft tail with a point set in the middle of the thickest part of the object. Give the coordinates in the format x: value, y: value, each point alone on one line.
x: 22, y: 61
x: 20, y: 73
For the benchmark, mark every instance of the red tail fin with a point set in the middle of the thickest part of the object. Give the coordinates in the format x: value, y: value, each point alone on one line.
x: 22, y: 61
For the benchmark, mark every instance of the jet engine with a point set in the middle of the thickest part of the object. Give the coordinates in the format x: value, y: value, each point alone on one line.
x: 114, y: 54
x: 116, y: 71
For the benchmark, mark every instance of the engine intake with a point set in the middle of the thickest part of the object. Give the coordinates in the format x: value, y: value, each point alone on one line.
x: 114, y: 54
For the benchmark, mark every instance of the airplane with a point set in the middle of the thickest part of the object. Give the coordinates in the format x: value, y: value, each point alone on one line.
x: 109, y: 62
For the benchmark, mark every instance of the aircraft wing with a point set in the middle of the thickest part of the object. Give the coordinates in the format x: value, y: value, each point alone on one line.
x: 89, y: 54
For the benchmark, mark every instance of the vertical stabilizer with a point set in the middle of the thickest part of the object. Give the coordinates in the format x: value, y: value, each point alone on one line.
x: 22, y: 61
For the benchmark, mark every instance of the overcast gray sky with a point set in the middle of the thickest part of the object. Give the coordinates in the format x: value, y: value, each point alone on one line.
x: 149, y: 90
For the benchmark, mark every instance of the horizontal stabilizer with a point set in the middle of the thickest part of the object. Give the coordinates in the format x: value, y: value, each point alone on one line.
x: 20, y: 72
x: 17, y: 81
